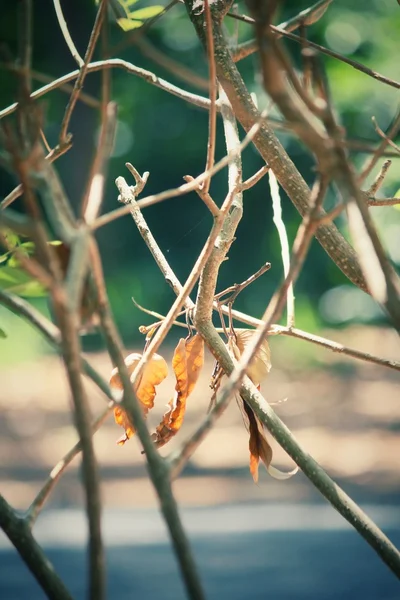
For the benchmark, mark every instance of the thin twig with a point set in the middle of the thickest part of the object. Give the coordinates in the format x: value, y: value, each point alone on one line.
x: 283, y: 238
x: 186, y: 187
x: 174, y: 67
x: 83, y: 70
x: 379, y: 179
x: 92, y: 200
x: 68, y: 323
x: 380, y: 149
x: 205, y: 196
x: 66, y: 35
x: 44, y: 78
x: 58, y: 471
x: 251, y: 46
x: 153, y: 313
x: 158, y: 470
x: 115, y: 63
x: 19, y: 534
x: 251, y: 181
x: 384, y: 136
x: 212, y: 77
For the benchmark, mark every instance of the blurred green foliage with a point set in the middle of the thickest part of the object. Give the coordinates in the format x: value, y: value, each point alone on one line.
x: 168, y: 137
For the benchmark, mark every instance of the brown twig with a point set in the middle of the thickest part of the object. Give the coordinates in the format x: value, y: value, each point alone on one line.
x: 173, y: 66
x: 384, y: 136
x: 58, y: 471
x: 20, y: 535
x: 380, y: 149
x: 251, y: 46
x: 158, y: 470
x: 192, y: 185
x: 205, y: 196
x: 91, y: 202
x: 115, y: 63
x: 379, y: 179
x: 82, y: 71
x: 66, y: 35
x: 68, y: 323
x: 212, y: 77
x: 251, y: 181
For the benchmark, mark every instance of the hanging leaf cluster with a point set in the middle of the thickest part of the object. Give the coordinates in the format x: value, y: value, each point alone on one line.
x: 187, y: 362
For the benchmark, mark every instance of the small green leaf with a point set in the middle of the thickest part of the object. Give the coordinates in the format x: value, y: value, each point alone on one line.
x: 16, y: 280
x: 13, y: 263
x: 4, y: 257
x: 55, y: 243
x: 128, y: 24
x: 127, y: 3
x: 2, y: 333
x: 11, y: 237
x: 29, y: 247
x: 146, y: 13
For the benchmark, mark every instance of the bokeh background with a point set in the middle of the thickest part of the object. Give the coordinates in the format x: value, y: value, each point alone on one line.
x: 276, y: 538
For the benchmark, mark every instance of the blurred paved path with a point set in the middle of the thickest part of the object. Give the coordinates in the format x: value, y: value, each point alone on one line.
x: 247, y: 551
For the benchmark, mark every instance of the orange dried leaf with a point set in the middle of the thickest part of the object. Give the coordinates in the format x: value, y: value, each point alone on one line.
x: 154, y: 372
x: 261, y: 364
x: 187, y: 362
x: 259, y: 446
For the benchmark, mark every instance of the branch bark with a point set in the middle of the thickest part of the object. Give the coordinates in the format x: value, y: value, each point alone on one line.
x: 273, y: 152
x: 19, y: 534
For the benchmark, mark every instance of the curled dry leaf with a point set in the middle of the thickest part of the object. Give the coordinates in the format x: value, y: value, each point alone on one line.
x: 261, y: 364
x: 187, y: 362
x: 259, y: 446
x: 154, y: 372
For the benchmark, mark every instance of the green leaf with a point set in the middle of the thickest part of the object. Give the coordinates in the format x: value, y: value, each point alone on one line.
x: 127, y: 3
x: 55, y: 243
x: 2, y: 333
x: 11, y: 237
x: 4, y: 257
x: 128, y: 24
x: 146, y: 13
x: 16, y: 280
x: 29, y: 247
x: 13, y: 263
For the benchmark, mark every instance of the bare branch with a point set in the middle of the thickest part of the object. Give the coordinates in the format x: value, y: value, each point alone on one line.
x: 92, y: 200
x: 279, y: 224
x: 59, y: 469
x: 83, y: 70
x: 158, y: 470
x: 377, y: 184
x: 68, y: 323
x: 66, y: 35
x: 251, y: 181
x: 212, y: 117
x: 251, y: 46
x: 116, y: 63
x: 381, y: 148
x: 274, y: 154
x: 19, y: 534
x: 191, y: 186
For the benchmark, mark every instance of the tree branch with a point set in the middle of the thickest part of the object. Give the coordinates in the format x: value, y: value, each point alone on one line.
x: 19, y: 534
x: 273, y: 152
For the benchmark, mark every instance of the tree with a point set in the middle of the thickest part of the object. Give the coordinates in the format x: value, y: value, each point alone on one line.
x: 69, y: 268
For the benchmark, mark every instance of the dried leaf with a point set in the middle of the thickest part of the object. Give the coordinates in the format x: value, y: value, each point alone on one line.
x: 261, y: 364
x: 187, y: 362
x: 154, y: 372
x: 259, y: 446
x: 314, y: 14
